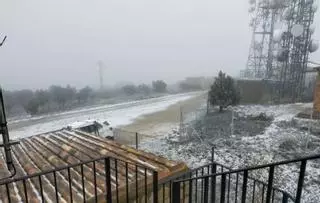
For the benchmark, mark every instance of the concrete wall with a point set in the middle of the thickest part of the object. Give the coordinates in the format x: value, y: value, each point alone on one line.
x: 316, y: 101
x: 254, y: 91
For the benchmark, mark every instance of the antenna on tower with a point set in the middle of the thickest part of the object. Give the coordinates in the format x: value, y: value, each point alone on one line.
x: 260, y: 59
x: 296, y: 45
x: 281, y: 43
x: 101, y: 68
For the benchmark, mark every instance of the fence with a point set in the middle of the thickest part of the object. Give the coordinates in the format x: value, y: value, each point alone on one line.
x: 195, y: 188
x: 235, y: 185
x: 100, y: 180
x: 133, y: 139
x: 112, y: 180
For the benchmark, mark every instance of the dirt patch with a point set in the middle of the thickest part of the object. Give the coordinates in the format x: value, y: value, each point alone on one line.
x: 164, y: 121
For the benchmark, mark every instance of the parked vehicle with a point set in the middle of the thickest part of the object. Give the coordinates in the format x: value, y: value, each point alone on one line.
x: 102, y: 129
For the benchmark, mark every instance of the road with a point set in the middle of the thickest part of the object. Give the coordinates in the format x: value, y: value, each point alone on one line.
x: 118, y: 115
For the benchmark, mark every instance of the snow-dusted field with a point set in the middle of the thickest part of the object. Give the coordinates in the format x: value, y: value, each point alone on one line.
x: 118, y: 114
x: 280, y: 140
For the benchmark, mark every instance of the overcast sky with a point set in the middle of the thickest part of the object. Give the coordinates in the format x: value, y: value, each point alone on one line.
x: 61, y: 41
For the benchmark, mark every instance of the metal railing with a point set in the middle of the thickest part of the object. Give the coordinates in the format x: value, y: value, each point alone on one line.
x: 100, y: 180
x: 231, y: 183
x: 112, y: 180
x: 214, y: 185
x: 209, y: 169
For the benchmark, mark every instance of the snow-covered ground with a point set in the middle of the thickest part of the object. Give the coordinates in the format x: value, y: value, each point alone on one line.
x: 280, y: 140
x: 117, y: 114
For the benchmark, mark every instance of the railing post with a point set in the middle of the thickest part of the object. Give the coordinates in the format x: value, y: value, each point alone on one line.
x: 270, y: 184
x: 301, y: 180
x: 8, y: 193
x: 25, y: 190
x: 236, y: 192
x: 108, y: 179
x: 285, y: 198
x: 176, y: 192
x: 213, y: 183
x: 212, y: 154
x: 244, y: 186
x: 70, y: 186
x: 155, y: 186
x: 190, y: 190
x: 206, y: 188
x: 223, y: 188
x: 56, y: 186
x: 137, y: 142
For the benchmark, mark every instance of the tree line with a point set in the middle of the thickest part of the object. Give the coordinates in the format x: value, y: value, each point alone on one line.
x: 158, y: 86
x: 58, y: 98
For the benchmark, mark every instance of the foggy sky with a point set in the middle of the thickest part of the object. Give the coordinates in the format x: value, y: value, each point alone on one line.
x: 61, y: 41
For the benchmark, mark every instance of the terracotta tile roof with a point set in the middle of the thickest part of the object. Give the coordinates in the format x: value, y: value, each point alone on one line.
x: 66, y: 147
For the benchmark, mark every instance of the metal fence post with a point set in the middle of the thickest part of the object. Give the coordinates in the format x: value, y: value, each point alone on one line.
x: 301, y: 180
x: 137, y: 142
x: 270, y: 184
x: 244, y: 186
x: 212, y: 154
x: 285, y: 198
x: 213, y: 183
x: 108, y: 179
x: 223, y: 189
x: 155, y: 186
x: 190, y: 190
x: 176, y: 192
x: 206, y: 190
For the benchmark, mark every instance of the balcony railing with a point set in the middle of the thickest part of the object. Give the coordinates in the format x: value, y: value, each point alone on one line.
x: 215, y: 184
x: 100, y: 180
x: 112, y: 180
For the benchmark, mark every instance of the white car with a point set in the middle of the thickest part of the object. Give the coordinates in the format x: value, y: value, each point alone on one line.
x: 102, y: 129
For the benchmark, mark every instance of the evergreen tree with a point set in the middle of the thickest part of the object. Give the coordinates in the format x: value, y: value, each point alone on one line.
x: 223, y: 92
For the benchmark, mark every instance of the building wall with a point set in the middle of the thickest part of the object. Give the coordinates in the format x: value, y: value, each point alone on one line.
x: 254, y: 91
x: 316, y: 101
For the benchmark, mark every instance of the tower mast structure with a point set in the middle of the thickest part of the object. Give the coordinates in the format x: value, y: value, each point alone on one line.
x: 260, y: 58
x: 295, y: 47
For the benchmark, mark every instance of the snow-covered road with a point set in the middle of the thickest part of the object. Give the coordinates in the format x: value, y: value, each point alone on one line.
x: 117, y: 114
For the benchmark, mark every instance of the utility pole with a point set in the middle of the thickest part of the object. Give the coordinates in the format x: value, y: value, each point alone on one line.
x: 101, y: 67
x: 6, y: 142
x: 5, y: 134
